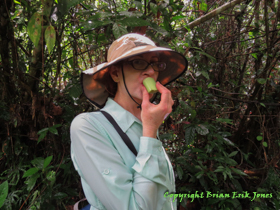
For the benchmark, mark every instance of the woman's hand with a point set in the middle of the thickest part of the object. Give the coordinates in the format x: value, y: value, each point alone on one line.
x: 153, y: 115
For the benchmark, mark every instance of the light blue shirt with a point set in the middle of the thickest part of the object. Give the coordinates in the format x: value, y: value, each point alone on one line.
x: 112, y: 177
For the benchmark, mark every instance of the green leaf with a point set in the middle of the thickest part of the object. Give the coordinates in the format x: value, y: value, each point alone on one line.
x: 30, y: 172
x: 64, y: 5
x: 233, y: 154
x: 230, y: 161
x: 262, y: 104
x: 203, y: 6
x: 255, y: 55
x: 236, y: 204
x: 179, y: 17
x: 38, y: 162
x: 205, y: 74
x: 207, y: 55
x: 201, y: 129
x: 75, y: 91
x: 42, y: 134
x: 237, y: 171
x: 219, y: 170
x: 31, y: 181
x: 119, y: 30
x: 53, y: 130
x: 189, y: 134
x: 51, y: 177
x: 180, y: 171
x: 60, y: 195
x: 197, y: 150
x: 34, y: 28
x: 89, y: 25
x: 47, y: 161
x: 199, y: 174
x: 56, y: 125
x: 224, y: 120
x: 4, y: 188
x: 193, y: 112
x: 264, y: 144
x: 261, y: 81
x: 228, y: 141
x: 153, y: 7
x: 50, y: 37
x: 17, y: 2
x: 133, y: 22
x: 225, y: 175
x: 131, y: 13
x: 138, y: 5
x: 259, y: 138
x: 43, y: 131
x: 159, y: 29
x: 237, y: 185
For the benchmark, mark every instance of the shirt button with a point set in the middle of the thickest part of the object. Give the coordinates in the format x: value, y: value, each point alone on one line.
x: 106, y: 171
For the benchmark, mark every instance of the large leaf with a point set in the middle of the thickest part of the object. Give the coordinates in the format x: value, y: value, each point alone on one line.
x: 30, y: 172
x: 154, y: 7
x: 201, y: 129
x: 261, y: 81
x: 42, y: 134
x: 38, y: 162
x: 53, y: 130
x: 4, y: 188
x: 158, y: 29
x: 134, y: 22
x: 205, y: 74
x: 34, y: 28
x: 60, y: 195
x: 89, y: 25
x: 180, y: 171
x: 131, y: 13
x: 51, y: 177
x: 119, y: 30
x: 235, y: 170
x: 64, y: 6
x: 50, y: 37
x: 47, y: 161
x: 189, y: 134
x: 75, y: 91
x: 199, y: 50
x: 31, y: 181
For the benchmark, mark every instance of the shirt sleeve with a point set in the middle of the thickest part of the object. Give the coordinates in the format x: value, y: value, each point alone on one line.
x: 116, y: 185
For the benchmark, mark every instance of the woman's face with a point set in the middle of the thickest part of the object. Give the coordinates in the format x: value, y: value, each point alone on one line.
x: 134, y: 78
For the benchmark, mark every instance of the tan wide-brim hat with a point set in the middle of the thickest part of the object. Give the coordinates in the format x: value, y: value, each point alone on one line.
x: 94, y: 79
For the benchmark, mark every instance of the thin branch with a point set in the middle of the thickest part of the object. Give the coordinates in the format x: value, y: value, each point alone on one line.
x: 228, y: 92
x: 214, y: 13
x: 247, y: 101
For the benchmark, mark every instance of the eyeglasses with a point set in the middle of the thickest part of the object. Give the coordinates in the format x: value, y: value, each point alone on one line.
x: 139, y: 64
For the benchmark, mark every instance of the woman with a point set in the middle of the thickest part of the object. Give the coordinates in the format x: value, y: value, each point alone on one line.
x: 112, y: 176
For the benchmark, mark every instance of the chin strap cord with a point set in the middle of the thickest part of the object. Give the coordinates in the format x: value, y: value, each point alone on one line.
x: 139, y: 105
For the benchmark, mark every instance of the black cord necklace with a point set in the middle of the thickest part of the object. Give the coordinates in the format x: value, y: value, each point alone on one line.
x: 139, y: 105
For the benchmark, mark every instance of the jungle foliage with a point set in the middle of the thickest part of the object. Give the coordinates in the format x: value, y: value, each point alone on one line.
x: 223, y: 135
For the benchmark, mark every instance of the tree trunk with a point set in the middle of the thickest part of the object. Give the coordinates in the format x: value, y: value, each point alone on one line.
x: 5, y: 43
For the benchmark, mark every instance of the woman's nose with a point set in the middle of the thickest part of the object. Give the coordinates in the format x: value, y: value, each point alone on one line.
x: 150, y: 71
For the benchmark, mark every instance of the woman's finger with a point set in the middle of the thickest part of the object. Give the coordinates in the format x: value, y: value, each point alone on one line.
x: 166, y: 97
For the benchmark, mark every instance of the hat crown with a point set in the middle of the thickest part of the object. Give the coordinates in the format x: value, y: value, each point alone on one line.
x: 126, y: 43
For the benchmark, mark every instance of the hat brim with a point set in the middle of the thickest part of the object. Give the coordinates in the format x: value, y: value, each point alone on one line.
x: 94, y: 79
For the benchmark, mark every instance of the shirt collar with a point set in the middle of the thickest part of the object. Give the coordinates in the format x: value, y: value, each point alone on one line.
x: 123, y: 117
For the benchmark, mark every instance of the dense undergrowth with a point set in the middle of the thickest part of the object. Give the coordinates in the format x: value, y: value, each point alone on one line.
x: 222, y: 136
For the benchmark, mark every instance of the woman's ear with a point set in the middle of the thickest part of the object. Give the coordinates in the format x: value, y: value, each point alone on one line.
x: 115, y: 73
